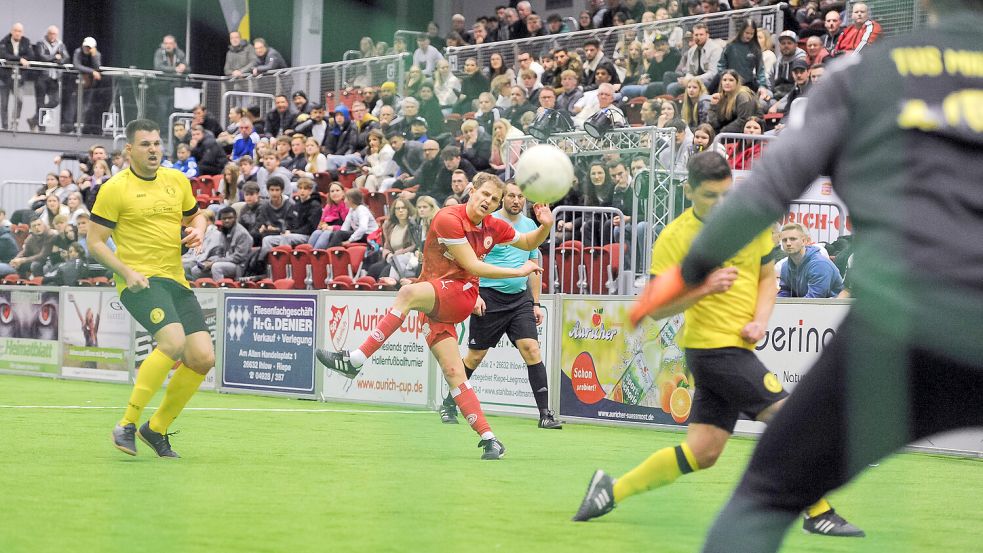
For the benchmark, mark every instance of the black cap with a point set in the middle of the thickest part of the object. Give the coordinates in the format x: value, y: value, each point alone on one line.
x: 799, y: 63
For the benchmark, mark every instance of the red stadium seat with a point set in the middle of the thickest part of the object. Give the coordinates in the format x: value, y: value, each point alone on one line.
x: 597, y: 263
x: 391, y: 195
x: 319, y: 269
x: 633, y: 111
x: 265, y: 284
x: 205, y: 283
x: 386, y: 283
x: 228, y: 283
x: 278, y: 259
x: 365, y: 283
x: 20, y: 233
x: 300, y: 263
x: 376, y: 202
x: 11, y: 279
x: 36, y: 281
x: 356, y: 252
x: 342, y: 283
x: 569, y: 260
x: 101, y: 281
x: 283, y: 284
x: 347, y: 178
x: 340, y: 262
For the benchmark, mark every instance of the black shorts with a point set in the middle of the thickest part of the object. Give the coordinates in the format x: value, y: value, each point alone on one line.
x: 730, y: 382
x: 505, y: 314
x: 163, y: 303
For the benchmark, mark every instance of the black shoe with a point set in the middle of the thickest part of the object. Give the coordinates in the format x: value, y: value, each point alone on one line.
x: 493, y: 449
x: 448, y: 413
x: 831, y: 524
x: 599, y: 499
x: 124, y: 438
x: 158, y: 441
x: 549, y: 422
x: 337, y: 361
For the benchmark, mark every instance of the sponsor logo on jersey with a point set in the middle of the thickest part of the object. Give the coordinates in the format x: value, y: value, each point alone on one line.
x: 772, y: 384
x: 156, y: 315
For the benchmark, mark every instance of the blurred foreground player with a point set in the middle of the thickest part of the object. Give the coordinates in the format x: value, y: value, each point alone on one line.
x: 900, y: 131
x: 459, y: 238
x: 509, y: 306
x: 144, y: 208
x: 725, y: 318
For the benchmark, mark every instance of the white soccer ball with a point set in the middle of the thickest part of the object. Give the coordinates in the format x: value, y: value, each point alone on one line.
x: 544, y: 173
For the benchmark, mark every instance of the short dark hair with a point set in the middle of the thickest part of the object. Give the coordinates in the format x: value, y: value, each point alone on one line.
x: 250, y: 188
x: 315, y: 105
x: 593, y: 42
x: 706, y: 166
x: 140, y: 125
x: 274, y: 182
x: 228, y: 209
x: 284, y: 96
x: 449, y: 153
x: 677, y: 124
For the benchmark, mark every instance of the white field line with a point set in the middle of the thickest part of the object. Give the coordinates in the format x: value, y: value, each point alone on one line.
x: 238, y: 409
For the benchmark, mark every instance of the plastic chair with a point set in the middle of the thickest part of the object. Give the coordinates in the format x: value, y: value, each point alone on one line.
x: 319, y: 269
x: 300, y: 262
x: 365, y: 283
x: 340, y: 262
x: 376, y: 202
x: 228, y: 283
x: 356, y: 253
x: 342, y: 283
x: 569, y: 260
x: 278, y: 259
x: 596, y: 263
x: 283, y: 284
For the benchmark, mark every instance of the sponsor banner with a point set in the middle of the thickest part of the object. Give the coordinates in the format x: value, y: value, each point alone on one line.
x: 502, y: 379
x: 269, y: 343
x: 611, y: 372
x: 29, y: 331
x: 820, y: 220
x: 398, y: 373
x: 95, y: 335
x: 144, y: 343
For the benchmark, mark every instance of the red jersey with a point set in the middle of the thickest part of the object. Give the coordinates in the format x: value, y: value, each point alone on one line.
x: 451, y: 225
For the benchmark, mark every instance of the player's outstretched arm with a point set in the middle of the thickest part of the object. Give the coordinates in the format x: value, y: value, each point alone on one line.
x: 533, y: 239
x: 98, y: 235
x: 466, y: 258
x: 718, y: 282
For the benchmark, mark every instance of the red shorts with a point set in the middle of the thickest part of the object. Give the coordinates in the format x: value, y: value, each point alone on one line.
x: 453, y: 302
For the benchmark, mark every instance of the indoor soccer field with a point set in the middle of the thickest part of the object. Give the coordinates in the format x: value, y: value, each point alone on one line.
x: 269, y: 474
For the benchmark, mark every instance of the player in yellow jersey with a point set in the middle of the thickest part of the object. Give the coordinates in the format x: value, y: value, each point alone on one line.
x: 144, y: 208
x: 725, y: 317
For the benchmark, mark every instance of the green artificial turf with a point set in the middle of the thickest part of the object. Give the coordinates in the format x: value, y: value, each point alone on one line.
x: 378, y: 479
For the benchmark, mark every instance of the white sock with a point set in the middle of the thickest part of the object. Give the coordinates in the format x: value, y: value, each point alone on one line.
x: 487, y: 435
x: 357, y: 358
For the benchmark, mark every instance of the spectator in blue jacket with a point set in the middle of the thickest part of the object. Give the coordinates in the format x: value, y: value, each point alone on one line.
x: 807, y: 273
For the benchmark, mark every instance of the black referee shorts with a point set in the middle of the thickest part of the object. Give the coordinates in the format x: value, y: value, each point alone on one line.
x: 163, y: 303
x: 505, y: 314
x: 730, y: 382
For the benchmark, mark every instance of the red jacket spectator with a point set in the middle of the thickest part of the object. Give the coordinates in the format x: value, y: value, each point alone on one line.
x: 854, y: 38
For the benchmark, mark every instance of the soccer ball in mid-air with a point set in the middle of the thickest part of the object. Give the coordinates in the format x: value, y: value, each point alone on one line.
x: 544, y: 173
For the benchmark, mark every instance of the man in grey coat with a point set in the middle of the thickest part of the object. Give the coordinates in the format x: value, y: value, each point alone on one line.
x: 241, y: 58
x: 169, y: 58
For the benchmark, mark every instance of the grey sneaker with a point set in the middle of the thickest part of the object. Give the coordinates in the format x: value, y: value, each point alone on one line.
x: 493, y: 449
x: 549, y: 422
x: 448, y: 413
x: 337, y: 361
x: 124, y: 438
x: 158, y: 441
x: 831, y: 524
x: 599, y: 499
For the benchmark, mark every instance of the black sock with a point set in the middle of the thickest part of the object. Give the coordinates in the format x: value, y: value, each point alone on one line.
x: 540, y: 388
x: 449, y: 400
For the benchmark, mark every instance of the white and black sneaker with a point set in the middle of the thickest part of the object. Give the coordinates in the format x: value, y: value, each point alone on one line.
x: 493, y: 449
x: 337, y: 361
x: 831, y: 524
x: 599, y: 499
x: 548, y: 421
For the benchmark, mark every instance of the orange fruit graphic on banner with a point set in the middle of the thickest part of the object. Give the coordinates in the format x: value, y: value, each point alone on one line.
x: 679, y: 404
x: 665, y: 393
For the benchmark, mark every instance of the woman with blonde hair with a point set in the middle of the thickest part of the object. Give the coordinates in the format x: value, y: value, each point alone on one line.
x: 732, y: 105
x: 696, y: 103
x: 768, y: 56
x: 501, y: 153
x: 316, y: 161
x: 413, y: 82
x: 446, y: 86
x: 379, y: 171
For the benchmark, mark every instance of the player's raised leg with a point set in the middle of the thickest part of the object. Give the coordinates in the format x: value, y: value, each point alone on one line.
x: 419, y: 296
x: 452, y: 365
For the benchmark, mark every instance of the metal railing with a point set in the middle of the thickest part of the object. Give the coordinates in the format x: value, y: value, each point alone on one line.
x: 743, y: 150
x: 588, y: 257
x: 16, y: 194
x: 825, y: 220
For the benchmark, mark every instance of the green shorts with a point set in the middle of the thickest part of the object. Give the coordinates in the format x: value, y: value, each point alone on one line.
x: 163, y: 303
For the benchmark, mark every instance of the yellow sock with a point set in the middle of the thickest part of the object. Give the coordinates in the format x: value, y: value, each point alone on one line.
x: 661, y: 468
x: 818, y: 508
x: 152, y: 373
x: 182, y: 386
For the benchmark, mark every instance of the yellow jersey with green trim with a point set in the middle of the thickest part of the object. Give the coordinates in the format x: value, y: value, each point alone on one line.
x: 145, y: 217
x: 715, y: 321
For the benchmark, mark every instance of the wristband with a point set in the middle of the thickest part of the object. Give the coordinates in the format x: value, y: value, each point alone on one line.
x: 537, y: 304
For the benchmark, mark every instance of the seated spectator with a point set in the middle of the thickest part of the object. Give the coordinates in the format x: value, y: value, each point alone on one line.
x: 807, y: 273
x: 333, y: 215
x: 207, y: 151
x: 241, y: 58
x: 832, y: 23
x: 479, y: 35
x: 743, y: 55
x: 414, y: 79
x: 518, y: 106
x: 52, y: 208
x: 731, y: 105
x: 185, y: 162
x: 676, y: 159
x: 244, y: 142
x: 387, y: 97
x: 300, y: 220
x: 379, y: 171
x: 496, y: 67
x: 273, y: 215
x: 399, y: 244
x: 782, y: 80
x: 70, y: 270
x: 459, y: 187
x: 364, y: 122
x: 250, y: 212
x: 410, y: 108
x: 606, y: 73
x: 30, y: 260
x: 248, y: 170
x: 408, y: 156
x: 342, y: 141
x: 282, y: 119
x: 550, y: 78
x: 502, y: 152
x: 594, y: 101
x: 267, y: 59
x: 426, y: 56
x: 472, y: 85
x: 501, y: 88
x: 271, y: 168
x: 316, y: 161
x: 815, y: 53
x: 696, y: 104
x: 862, y: 32
x: 358, y: 224
x: 229, y: 186
x: 430, y: 109
x: 169, y: 58
x: 301, y: 103
x: 530, y: 85
x: 525, y: 61
x: 76, y: 207
x: 66, y: 185
x: 800, y: 74
x: 180, y: 135
x: 65, y: 236
x: 8, y: 250
x: 50, y: 186
x: 487, y: 112
x: 298, y: 153
x: 451, y: 161
x: 571, y: 91
x: 741, y: 155
x: 386, y: 116
x: 546, y: 100
x: 201, y: 117
x: 228, y: 259
x: 593, y: 57
x: 667, y: 113
x: 315, y: 127
x: 192, y: 259
x: 423, y: 180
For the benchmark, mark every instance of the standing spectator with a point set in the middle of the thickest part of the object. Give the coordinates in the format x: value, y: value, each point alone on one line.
x: 358, y: 224
x: 782, y: 79
x: 15, y: 49
x: 426, y: 56
x: 241, y: 58
x: 333, y: 215
x: 48, y: 50
x: 862, y: 32
x: 267, y: 59
x: 832, y: 24
x: 732, y: 105
x: 282, y: 119
x: 743, y: 55
x: 169, y: 58
x: 807, y: 273
x: 302, y: 219
x: 37, y: 247
x: 204, y: 148
x: 88, y: 61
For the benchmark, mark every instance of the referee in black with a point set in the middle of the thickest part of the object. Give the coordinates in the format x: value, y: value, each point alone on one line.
x: 899, y: 129
x: 509, y: 306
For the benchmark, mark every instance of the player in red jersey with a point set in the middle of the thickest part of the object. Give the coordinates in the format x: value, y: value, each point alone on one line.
x: 447, y: 292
